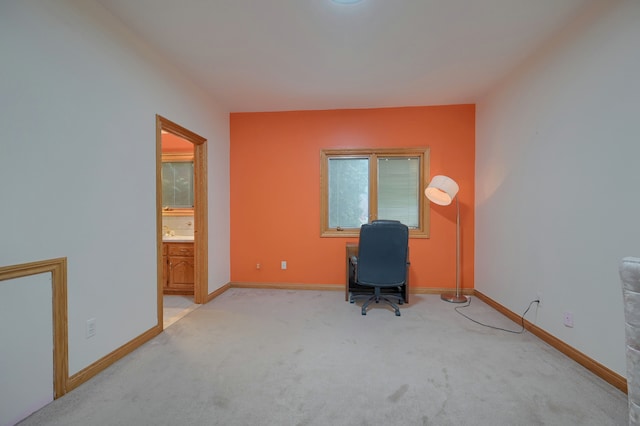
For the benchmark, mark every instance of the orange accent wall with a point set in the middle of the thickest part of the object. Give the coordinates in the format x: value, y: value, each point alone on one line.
x: 172, y: 144
x: 275, y: 190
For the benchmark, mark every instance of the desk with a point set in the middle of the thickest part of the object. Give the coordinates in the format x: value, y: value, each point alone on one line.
x: 351, y: 287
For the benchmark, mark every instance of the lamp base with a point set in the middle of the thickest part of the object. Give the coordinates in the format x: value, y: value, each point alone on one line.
x: 453, y: 298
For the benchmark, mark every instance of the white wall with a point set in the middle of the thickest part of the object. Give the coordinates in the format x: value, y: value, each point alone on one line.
x: 26, y: 357
x: 558, y: 178
x: 78, y: 99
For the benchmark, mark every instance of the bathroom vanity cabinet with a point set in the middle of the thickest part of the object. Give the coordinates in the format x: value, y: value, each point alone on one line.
x: 178, y: 267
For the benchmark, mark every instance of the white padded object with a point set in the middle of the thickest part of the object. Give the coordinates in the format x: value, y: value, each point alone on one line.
x: 630, y: 277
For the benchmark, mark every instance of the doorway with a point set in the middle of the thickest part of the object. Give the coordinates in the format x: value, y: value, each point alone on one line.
x: 200, y: 240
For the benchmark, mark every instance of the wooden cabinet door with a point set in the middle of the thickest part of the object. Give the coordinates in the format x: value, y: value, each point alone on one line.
x: 165, y: 266
x: 165, y: 272
x: 181, y: 272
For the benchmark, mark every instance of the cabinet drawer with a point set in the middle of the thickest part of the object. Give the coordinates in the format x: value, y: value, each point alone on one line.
x: 181, y: 249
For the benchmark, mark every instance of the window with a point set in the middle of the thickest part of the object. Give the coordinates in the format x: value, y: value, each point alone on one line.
x: 177, y: 184
x: 359, y: 186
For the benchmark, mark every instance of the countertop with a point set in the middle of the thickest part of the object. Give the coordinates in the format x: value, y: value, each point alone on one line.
x: 177, y: 238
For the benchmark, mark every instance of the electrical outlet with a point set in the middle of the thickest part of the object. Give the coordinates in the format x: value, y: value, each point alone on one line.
x: 539, y: 297
x: 283, y: 264
x: 258, y: 266
x: 568, y: 319
x: 90, y: 329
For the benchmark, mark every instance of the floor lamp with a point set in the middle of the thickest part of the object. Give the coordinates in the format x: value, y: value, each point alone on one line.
x: 442, y: 190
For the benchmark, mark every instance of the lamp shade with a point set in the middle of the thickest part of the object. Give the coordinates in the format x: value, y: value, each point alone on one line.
x: 441, y: 190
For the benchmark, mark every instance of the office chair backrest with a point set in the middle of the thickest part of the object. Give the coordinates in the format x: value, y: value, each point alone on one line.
x: 382, y: 253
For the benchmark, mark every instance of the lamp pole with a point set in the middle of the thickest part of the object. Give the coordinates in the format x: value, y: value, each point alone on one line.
x: 442, y: 190
x: 457, y: 297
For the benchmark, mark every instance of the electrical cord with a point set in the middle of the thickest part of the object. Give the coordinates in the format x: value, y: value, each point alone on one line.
x: 491, y: 326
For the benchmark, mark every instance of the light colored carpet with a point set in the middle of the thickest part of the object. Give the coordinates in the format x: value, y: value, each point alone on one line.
x: 280, y: 357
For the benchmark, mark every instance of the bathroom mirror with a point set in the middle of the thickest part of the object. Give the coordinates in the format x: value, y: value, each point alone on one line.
x: 177, y: 184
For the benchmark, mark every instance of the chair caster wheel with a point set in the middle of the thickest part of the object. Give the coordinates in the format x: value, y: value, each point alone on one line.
x: 364, y: 312
x: 397, y: 313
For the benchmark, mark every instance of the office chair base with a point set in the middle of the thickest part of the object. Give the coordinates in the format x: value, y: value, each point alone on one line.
x: 377, y: 299
x: 453, y: 298
x: 397, y: 311
x: 352, y: 298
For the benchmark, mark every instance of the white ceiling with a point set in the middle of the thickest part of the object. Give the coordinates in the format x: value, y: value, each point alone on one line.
x: 270, y: 55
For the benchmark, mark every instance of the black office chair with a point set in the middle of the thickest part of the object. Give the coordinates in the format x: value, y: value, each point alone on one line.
x: 381, y: 263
